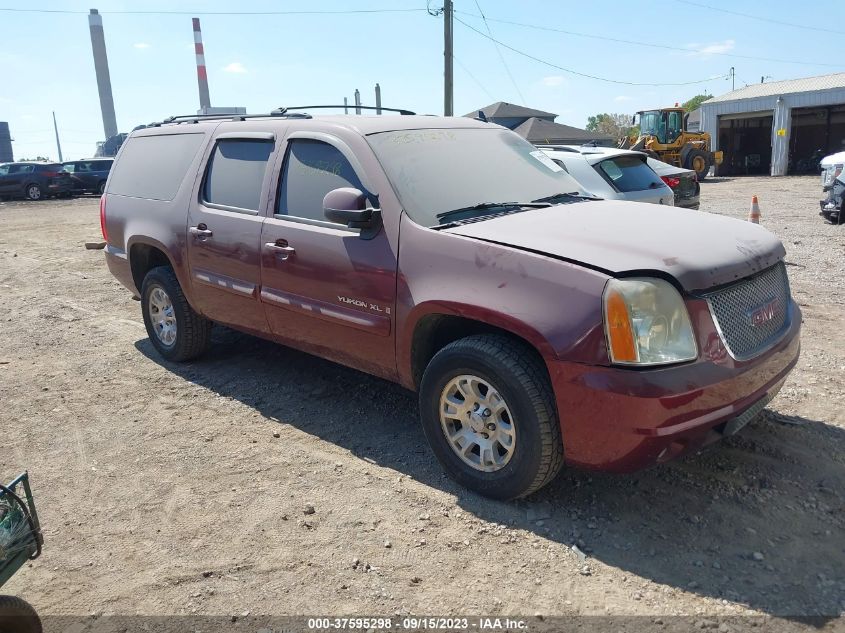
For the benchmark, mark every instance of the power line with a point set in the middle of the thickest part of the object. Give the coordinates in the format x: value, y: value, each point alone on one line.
x: 650, y: 44
x: 471, y: 76
x: 499, y: 52
x: 580, y: 74
x: 760, y: 18
x: 141, y: 12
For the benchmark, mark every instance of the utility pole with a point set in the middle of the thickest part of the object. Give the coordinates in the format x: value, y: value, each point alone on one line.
x: 378, y: 99
x: 733, y: 78
x: 357, y: 101
x: 345, y: 108
x: 448, y: 87
x: 58, y: 145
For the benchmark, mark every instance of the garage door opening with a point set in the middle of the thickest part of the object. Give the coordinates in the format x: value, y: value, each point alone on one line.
x: 816, y: 132
x: 746, y: 140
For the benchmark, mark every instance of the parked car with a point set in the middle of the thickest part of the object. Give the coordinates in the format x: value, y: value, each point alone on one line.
x: 34, y: 180
x: 833, y: 184
x: 612, y: 174
x: 683, y: 183
x: 451, y: 256
x: 89, y: 175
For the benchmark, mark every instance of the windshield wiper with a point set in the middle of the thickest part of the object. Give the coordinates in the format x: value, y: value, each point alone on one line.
x: 486, y: 206
x: 572, y: 195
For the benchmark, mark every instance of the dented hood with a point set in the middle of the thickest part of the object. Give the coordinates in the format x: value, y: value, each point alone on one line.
x: 698, y: 249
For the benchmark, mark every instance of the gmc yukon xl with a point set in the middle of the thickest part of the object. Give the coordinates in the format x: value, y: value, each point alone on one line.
x: 538, y: 325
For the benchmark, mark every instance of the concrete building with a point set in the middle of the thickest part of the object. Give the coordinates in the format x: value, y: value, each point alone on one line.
x: 6, y: 155
x: 777, y: 128
x: 539, y: 127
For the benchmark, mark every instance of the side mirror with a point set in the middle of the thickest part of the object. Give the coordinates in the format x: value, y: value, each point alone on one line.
x: 348, y: 206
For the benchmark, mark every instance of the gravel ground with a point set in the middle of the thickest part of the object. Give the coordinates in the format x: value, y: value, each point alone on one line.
x: 263, y: 480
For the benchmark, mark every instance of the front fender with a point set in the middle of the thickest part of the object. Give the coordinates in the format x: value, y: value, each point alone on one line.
x: 552, y: 304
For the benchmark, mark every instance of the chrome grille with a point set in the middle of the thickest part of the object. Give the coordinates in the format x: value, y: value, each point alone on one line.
x: 752, y: 314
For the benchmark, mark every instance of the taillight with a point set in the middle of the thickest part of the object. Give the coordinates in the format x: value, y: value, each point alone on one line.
x: 51, y: 174
x: 671, y: 181
x: 103, y: 217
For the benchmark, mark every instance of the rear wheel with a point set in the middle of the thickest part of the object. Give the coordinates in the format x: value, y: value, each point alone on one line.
x: 488, y: 413
x: 699, y: 162
x: 174, y: 328
x: 33, y: 192
x: 101, y: 188
x: 18, y: 616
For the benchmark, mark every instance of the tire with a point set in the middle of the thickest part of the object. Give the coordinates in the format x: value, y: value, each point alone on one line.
x: 177, y: 332
x: 101, y: 188
x: 699, y: 162
x: 513, y: 370
x: 33, y: 192
x: 18, y: 616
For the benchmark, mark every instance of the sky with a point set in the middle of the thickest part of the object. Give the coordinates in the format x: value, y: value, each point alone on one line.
x: 263, y: 61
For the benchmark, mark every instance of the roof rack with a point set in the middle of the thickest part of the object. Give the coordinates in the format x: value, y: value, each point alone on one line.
x: 284, y: 110
x: 278, y: 112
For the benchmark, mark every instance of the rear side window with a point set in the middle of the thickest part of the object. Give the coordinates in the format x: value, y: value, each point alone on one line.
x: 236, y: 173
x: 628, y: 173
x: 153, y: 167
x: 21, y: 169
x: 101, y: 165
x: 312, y: 169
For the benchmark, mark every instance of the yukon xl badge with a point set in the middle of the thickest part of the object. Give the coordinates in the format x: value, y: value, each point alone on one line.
x: 764, y: 313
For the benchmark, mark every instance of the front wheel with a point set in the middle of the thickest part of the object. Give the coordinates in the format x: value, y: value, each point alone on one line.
x: 18, y: 616
x: 488, y: 413
x: 699, y: 162
x: 174, y: 328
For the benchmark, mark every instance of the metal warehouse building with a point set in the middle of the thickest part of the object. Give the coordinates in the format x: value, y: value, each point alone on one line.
x: 777, y: 128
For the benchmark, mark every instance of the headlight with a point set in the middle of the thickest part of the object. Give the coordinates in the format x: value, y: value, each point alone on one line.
x: 646, y: 323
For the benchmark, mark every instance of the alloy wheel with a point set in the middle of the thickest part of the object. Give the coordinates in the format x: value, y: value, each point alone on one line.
x: 477, y: 423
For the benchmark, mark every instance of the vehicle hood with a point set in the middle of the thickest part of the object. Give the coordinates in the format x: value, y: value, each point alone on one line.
x: 699, y: 250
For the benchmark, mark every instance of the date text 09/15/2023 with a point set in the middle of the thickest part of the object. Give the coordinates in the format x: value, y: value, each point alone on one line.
x: 417, y: 623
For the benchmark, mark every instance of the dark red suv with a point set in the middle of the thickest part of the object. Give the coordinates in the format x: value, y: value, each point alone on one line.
x: 538, y: 325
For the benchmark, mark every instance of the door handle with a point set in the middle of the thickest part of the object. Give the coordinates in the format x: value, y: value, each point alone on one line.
x: 283, y: 251
x: 201, y: 230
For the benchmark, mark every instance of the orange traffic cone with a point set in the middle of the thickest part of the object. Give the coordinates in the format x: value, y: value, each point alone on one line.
x: 754, y: 213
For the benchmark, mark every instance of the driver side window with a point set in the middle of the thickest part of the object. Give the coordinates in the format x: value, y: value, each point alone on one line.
x: 312, y: 169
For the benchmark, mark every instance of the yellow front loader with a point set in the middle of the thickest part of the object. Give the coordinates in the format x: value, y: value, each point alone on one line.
x: 664, y: 136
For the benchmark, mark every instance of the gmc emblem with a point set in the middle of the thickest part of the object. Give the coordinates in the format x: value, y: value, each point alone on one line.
x: 764, y: 313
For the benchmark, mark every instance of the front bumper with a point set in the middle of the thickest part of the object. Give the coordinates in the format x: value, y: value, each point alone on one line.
x: 623, y: 420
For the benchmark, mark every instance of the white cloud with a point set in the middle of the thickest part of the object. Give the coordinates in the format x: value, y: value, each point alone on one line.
x: 235, y: 67
x: 713, y: 48
x: 141, y: 45
x: 622, y: 98
x: 553, y: 81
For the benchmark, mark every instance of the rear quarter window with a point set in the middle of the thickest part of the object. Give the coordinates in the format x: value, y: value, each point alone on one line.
x: 154, y: 167
x: 628, y: 173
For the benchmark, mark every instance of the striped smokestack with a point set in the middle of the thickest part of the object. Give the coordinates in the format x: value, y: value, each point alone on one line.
x: 202, y: 75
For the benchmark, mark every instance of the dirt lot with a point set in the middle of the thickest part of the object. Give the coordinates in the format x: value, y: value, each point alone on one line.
x: 171, y: 489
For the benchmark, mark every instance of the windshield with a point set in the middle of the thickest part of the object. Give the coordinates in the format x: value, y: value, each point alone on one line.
x: 652, y: 123
x: 437, y: 171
